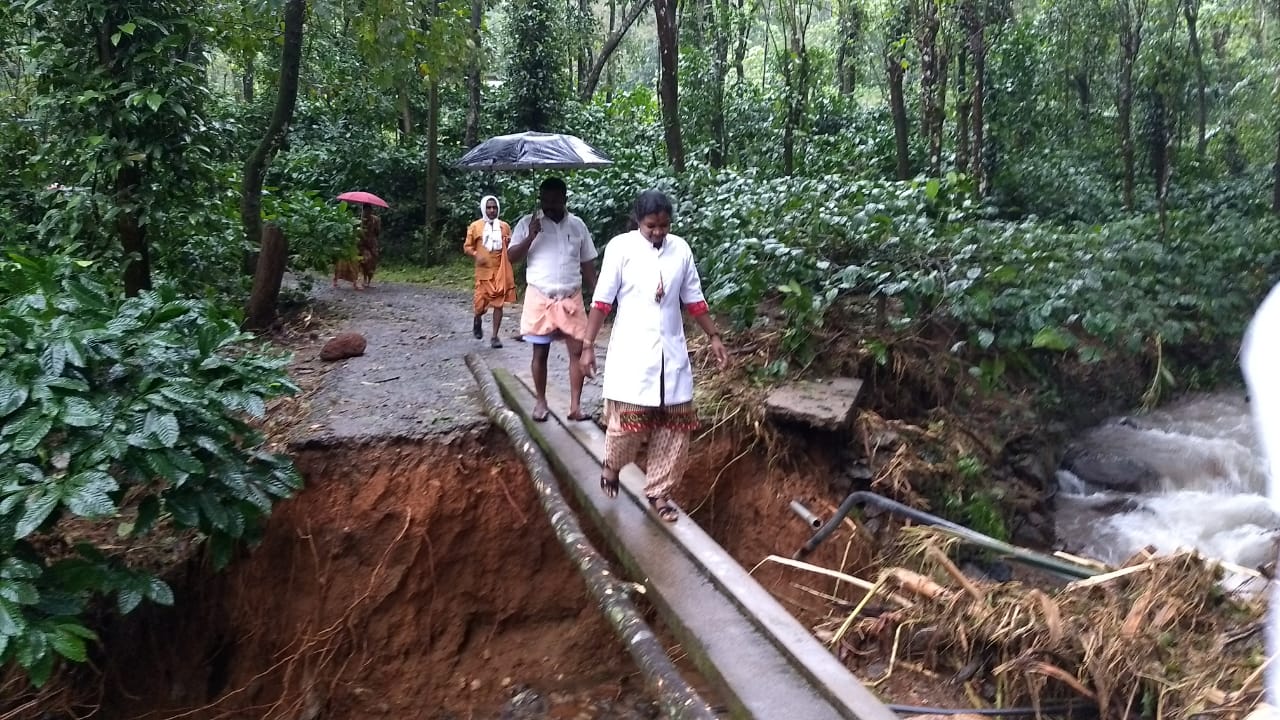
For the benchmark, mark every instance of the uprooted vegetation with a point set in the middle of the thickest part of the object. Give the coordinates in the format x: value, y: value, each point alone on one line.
x: 1161, y: 637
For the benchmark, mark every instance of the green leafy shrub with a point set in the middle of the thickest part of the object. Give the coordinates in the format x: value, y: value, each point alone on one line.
x: 319, y: 231
x: 134, y: 414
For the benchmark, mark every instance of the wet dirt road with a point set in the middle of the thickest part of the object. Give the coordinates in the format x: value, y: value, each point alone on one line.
x: 412, y: 382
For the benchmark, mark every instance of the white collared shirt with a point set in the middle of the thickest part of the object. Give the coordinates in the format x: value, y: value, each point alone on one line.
x: 648, y: 356
x: 554, y: 262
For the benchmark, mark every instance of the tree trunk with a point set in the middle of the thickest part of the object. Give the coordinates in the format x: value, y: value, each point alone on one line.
x: 898, y: 108
x: 668, y: 81
x: 1083, y: 93
x: 1158, y: 125
x: 1275, y: 180
x: 588, y: 88
x: 795, y: 76
x: 405, y: 111
x: 433, y: 163
x: 723, y: 29
x: 260, y: 311
x: 977, y: 33
x: 255, y: 169
x: 1131, y: 15
x: 964, y: 106
x: 743, y: 33
x: 930, y: 65
x: 849, y: 27
x: 584, y: 48
x: 133, y: 236
x: 246, y: 81
x: 1191, y: 11
x: 471, y: 135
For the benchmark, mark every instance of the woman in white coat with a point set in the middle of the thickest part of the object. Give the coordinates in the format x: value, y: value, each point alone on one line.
x: 649, y: 275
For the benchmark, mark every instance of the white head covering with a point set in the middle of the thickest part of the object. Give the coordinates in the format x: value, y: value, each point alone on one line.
x: 492, y: 228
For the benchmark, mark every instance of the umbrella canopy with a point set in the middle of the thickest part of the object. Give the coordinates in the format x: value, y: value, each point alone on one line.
x: 363, y: 198
x: 533, y: 151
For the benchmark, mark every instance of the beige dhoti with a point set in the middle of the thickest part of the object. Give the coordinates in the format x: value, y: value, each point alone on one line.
x: 546, y: 317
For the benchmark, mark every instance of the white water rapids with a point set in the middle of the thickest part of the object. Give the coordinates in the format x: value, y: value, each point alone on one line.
x: 1206, y: 488
x: 1203, y: 473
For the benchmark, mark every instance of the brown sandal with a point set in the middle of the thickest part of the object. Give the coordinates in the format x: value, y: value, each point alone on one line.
x: 664, y: 508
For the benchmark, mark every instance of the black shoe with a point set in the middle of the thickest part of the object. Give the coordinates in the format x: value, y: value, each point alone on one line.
x: 495, y: 343
x: 475, y: 327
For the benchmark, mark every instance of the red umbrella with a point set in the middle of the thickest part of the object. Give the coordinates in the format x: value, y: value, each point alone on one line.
x: 363, y: 197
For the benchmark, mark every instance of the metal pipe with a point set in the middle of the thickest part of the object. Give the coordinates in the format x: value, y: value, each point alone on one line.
x: 678, y: 699
x: 806, y: 514
x: 1028, y: 557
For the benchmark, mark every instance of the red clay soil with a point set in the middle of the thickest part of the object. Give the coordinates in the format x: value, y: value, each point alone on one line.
x: 742, y: 499
x: 405, y: 581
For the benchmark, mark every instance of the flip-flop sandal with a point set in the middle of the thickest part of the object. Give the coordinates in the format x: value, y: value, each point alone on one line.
x: 609, y: 486
x: 577, y: 417
x: 540, y: 418
x: 665, y: 510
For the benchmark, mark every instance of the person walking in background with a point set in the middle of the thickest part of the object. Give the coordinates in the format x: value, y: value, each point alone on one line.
x: 650, y: 276
x: 559, y: 256
x: 487, y: 241
x: 370, y: 229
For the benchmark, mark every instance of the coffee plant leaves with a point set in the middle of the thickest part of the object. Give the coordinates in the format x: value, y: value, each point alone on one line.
x: 68, y: 644
x: 133, y: 415
x: 79, y: 412
x: 12, y: 394
x: 37, y: 508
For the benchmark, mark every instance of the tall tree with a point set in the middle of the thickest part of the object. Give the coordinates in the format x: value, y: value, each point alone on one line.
x: 895, y: 65
x: 128, y: 76
x: 587, y: 89
x: 743, y: 21
x: 1275, y: 179
x: 472, y: 133
x: 724, y: 22
x: 537, y: 61
x: 795, y: 16
x: 933, y: 70
x: 664, y: 12
x: 850, y: 25
x: 255, y: 168
x: 1191, y: 12
x: 974, y: 15
x: 1131, y: 15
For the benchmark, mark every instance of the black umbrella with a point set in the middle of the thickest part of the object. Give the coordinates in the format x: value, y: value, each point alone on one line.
x: 533, y: 151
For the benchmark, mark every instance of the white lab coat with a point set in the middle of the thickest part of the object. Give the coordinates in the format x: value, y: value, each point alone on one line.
x: 1260, y: 361
x: 647, y: 352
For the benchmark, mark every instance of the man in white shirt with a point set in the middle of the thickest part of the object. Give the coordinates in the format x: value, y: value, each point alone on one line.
x: 560, y: 256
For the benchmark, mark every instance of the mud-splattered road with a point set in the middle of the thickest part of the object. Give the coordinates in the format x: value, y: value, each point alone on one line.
x: 412, y: 382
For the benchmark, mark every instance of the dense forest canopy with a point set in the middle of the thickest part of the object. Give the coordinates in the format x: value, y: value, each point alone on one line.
x: 1081, y: 179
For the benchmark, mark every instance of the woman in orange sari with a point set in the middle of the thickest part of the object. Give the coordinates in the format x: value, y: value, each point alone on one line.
x: 487, y: 241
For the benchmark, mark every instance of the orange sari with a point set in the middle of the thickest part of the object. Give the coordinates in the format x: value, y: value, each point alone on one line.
x: 495, y: 279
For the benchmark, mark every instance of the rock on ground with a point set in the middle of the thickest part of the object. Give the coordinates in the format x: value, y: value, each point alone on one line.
x: 342, y: 346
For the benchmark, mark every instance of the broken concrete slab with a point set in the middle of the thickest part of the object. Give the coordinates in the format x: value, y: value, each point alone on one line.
x: 820, y: 404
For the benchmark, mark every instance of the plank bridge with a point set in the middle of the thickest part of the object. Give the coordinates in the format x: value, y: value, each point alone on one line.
x: 759, y: 660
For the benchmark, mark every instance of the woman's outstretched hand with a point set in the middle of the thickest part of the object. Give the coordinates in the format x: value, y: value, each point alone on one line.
x: 720, y: 353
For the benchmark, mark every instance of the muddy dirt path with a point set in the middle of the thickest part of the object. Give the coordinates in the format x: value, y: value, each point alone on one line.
x: 412, y: 382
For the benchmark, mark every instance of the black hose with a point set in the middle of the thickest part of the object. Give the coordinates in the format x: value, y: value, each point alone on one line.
x: 678, y: 699
x: 858, y: 497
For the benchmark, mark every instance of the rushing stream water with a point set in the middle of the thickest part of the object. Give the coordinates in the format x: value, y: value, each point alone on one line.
x: 1189, y: 475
